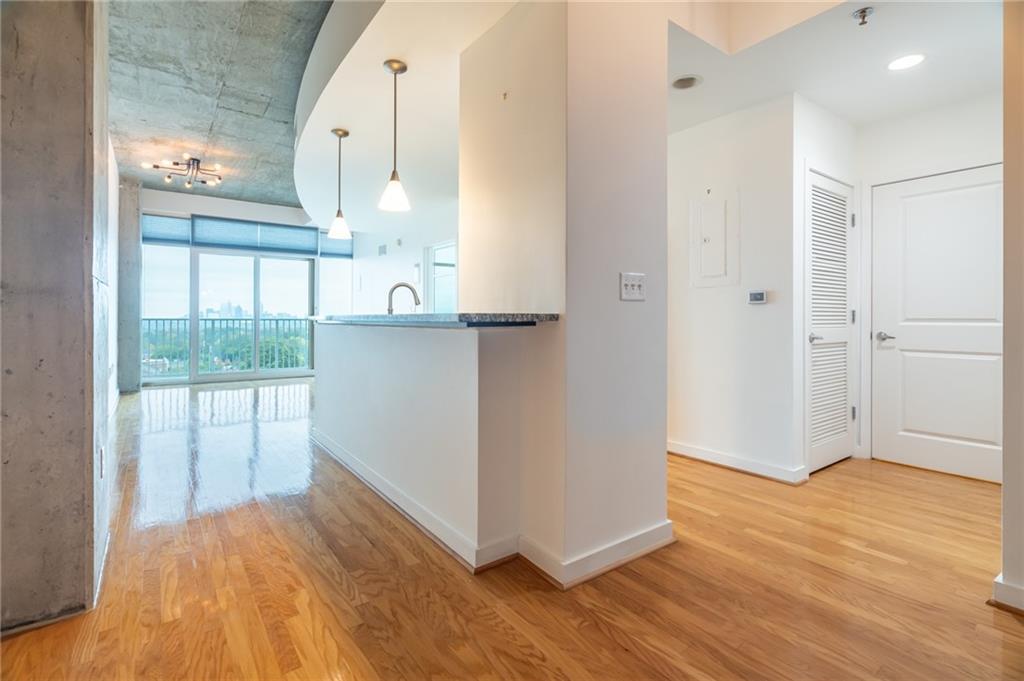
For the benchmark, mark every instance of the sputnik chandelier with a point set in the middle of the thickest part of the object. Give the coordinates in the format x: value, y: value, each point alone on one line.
x: 189, y: 168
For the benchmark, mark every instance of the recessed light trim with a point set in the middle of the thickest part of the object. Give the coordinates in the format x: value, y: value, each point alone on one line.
x: 906, y: 62
x: 687, y: 82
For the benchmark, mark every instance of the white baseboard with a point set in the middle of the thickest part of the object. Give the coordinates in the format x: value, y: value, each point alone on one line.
x: 588, y: 565
x: 1005, y: 593
x: 496, y: 550
x: 790, y: 475
x: 454, y: 540
x: 566, y: 573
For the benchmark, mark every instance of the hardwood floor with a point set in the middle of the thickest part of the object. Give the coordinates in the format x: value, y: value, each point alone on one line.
x: 241, y: 552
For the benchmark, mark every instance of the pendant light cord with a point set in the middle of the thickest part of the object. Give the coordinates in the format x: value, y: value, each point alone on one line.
x: 394, y: 125
x: 339, y: 174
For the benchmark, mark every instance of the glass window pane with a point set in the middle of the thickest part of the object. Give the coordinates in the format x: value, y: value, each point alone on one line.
x: 335, y: 286
x: 165, y: 324
x: 226, y: 322
x: 443, y: 285
x: 284, y: 313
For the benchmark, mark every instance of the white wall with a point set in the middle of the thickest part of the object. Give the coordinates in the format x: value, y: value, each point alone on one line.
x: 730, y: 364
x: 373, y: 274
x: 615, y: 352
x: 734, y: 398
x: 962, y: 135
x: 400, y: 408
x: 512, y: 164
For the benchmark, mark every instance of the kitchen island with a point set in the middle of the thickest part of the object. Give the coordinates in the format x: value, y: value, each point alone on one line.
x: 441, y: 415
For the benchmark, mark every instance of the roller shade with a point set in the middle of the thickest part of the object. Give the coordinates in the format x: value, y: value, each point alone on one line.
x: 335, y: 248
x: 161, y: 229
x: 202, y: 230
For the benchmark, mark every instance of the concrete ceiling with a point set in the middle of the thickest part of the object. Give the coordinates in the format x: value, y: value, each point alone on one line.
x: 217, y: 80
x: 841, y: 66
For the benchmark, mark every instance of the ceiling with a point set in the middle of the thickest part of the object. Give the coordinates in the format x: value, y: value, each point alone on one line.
x: 217, y: 80
x: 841, y: 66
x: 429, y: 37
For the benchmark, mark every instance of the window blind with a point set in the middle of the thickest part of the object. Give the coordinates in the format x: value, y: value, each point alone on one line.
x: 335, y: 248
x: 166, y: 230
x: 202, y: 230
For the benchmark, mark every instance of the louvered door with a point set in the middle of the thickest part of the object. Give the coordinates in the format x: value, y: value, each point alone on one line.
x: 829, y: 359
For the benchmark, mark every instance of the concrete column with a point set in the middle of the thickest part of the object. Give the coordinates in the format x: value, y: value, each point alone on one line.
x: 52, y: 126
x: 129, y: 288
x: 1009, y: 585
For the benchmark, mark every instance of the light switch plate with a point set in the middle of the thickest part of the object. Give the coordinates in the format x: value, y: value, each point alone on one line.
x: 632, y: 286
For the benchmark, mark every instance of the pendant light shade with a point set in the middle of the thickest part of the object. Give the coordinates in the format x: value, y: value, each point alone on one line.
x: 339, y: 227
x: 394, y: 198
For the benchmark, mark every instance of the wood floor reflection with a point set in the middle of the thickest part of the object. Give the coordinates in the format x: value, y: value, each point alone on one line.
x: 242, y: 552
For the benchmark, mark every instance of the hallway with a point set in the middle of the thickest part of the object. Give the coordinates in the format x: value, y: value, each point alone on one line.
x: 241, y: 551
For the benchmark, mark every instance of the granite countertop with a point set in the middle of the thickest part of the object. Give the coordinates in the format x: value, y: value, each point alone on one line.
x: 457, y: 320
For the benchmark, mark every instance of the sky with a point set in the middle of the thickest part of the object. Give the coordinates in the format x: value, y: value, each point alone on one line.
x: 223, y: 280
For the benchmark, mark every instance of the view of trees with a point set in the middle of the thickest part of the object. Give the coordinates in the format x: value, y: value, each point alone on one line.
x: 225, y: 345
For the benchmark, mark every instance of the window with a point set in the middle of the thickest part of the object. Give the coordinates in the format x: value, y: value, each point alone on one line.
x: 234, y: 297
x: 165, y: 311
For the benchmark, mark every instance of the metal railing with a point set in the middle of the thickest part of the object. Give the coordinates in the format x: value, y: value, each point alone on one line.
x: 225, y: 346
x: 164, y: 347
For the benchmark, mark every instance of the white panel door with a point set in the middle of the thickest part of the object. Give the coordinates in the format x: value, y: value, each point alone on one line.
x: 937, y: 323
x: 829, y: 359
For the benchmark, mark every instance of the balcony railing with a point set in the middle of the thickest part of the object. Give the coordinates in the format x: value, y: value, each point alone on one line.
x: 225, y: 346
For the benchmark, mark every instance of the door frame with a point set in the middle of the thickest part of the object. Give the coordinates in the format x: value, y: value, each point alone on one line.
x: 863, y: 448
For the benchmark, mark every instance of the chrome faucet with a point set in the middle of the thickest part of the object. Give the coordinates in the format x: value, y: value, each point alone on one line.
x: 391, y: 295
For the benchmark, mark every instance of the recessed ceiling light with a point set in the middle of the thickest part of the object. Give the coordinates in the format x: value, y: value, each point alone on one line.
x: 687, y: 82
x: 907, y: 62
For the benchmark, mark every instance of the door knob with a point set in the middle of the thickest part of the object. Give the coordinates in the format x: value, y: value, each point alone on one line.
x: 814, y: 337
x: 883, y: 336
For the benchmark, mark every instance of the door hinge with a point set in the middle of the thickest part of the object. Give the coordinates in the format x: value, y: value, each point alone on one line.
x: 853, y: 412
x: 853, y: 316
x: 853, y: 219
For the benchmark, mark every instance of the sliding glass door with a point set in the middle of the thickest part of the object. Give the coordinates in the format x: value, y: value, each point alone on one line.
x: 232, y: 299
x: 226, y: 332
x: 253, y: 314
x: 285, y: 291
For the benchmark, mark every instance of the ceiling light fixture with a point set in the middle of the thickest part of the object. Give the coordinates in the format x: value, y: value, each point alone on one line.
x: 394, y: 199
x: 189, y: 168
x: 907, y: 62
x: 862, y: 15
x: 339, y: 228
x: 687, y: 82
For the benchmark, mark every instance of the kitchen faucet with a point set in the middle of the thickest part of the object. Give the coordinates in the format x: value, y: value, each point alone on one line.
x: 391, y: 295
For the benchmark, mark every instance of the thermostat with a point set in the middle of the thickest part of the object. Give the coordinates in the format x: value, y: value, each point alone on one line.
x: 757, y: 297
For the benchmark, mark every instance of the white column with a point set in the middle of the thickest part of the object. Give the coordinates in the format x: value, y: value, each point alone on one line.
x: 1009, y: 586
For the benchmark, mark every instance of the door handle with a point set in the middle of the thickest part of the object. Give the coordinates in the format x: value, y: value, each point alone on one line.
x: 883, y: 336
x: 814, y: 337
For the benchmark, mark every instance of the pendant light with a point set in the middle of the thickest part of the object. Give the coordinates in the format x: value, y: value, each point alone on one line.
x: 339, y: 228
x: 394, y: 199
